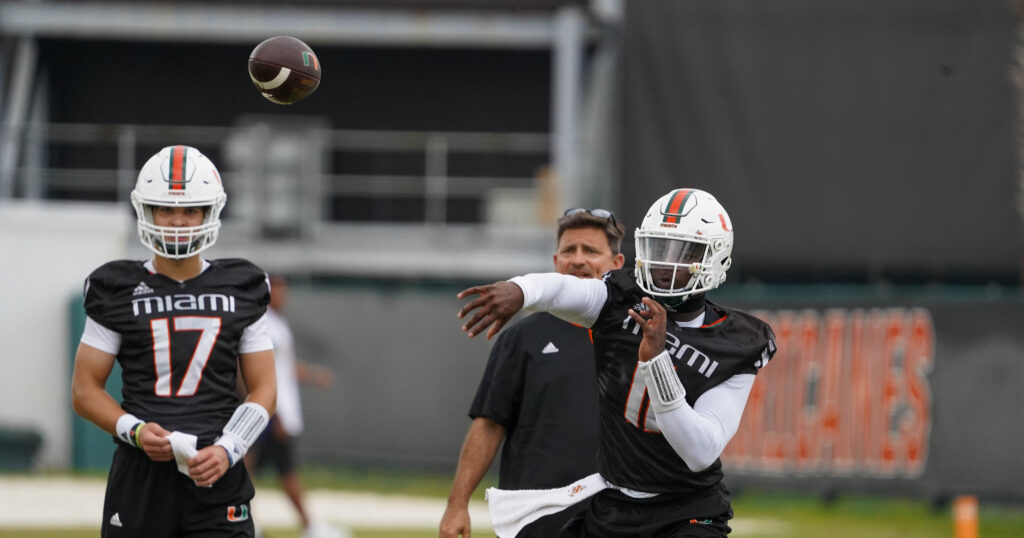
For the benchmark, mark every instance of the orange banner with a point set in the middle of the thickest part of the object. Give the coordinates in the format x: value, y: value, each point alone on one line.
x: 847, y: 394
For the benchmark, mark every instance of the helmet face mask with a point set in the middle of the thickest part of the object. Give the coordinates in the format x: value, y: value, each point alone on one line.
x: 671, y: 263
x: 683, y: 246
x: 178, y: 176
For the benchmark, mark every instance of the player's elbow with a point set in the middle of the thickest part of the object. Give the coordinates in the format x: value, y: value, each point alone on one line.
x: 697, y: 454
x: 699, y: 462
x: 79, y: 398
x: 76, y: 401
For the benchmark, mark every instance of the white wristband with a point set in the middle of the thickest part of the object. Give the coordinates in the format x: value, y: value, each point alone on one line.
x: 245, y: 426
x: 124, y: 427
x: 663, y: 385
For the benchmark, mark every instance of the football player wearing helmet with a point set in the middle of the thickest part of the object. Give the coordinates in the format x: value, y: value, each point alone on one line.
x: 538, y: 395
x: 674, y: 371
x: 181, y: 327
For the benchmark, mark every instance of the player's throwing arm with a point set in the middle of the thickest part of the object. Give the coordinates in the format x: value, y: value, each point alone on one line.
x: 496, y: 304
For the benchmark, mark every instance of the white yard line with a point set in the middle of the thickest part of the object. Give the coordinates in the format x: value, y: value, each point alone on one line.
x: 363, y: 510
x: 54, y: 502
x: 64, y: 502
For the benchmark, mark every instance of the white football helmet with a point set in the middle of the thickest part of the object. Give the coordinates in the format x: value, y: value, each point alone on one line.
x: 178, y: 176
x: 683, y: 246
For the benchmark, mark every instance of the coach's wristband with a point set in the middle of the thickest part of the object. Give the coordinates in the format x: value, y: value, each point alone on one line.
x: 126, y: 428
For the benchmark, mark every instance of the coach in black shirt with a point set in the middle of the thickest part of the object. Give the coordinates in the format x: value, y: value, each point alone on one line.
x: 539, y: 392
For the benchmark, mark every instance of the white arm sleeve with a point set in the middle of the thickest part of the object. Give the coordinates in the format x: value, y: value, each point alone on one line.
x: 100, y: 337
x: 699, y: 434
x: 256, y: 337
x: 576, y: 300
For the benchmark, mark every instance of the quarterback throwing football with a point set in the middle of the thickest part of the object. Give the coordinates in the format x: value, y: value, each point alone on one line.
x: 181, y: 328
x: 673, y: 372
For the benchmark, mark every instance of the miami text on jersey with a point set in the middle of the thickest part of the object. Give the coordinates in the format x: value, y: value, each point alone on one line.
x: 680, y: 351
x: 216, y: 302
x: 706, y: 366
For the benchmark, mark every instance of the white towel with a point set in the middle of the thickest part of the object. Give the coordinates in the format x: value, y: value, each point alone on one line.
x: 511, y: 510
x: 184, y: 447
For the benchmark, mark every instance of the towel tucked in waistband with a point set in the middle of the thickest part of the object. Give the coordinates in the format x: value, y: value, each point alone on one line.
x: 511, y: 510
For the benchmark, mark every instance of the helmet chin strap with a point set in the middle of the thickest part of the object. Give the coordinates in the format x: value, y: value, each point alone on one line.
x: 682, y: 305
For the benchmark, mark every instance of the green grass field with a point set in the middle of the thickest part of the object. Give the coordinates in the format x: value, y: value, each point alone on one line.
x: 857, y: 517
x: 776, y: 515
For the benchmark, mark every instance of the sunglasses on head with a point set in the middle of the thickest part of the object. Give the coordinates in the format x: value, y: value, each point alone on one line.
x: 599, y: 213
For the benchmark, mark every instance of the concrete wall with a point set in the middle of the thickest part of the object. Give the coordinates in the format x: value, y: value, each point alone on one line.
x: 47, y: 251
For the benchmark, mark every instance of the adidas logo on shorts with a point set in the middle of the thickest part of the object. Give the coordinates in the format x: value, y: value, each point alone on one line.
x: 141, y: 289
x: 115, y: 520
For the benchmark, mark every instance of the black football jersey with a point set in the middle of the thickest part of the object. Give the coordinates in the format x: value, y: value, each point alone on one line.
x: 179, y: 340
x: 634, y: 453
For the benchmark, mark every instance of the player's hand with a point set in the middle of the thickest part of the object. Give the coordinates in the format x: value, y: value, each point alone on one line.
x: 208, y: 465
x: 496, y: 304
x: 455, y: 522
x: 153, y: 440
x: 652, y: 321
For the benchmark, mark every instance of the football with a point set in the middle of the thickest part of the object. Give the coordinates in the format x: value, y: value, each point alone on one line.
x: 284, y: 69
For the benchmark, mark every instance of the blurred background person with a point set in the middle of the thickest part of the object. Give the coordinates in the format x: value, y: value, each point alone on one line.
x: 539, y: 392
x: 277, y: 443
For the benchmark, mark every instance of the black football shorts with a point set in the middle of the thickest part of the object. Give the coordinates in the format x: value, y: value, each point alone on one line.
x: 152, y: 499
x: 613, y: 514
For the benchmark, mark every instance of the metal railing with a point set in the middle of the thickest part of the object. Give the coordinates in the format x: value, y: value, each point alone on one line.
x: 101, y: 161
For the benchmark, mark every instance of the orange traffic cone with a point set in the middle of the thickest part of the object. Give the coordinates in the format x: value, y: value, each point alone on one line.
x: 965, y: 516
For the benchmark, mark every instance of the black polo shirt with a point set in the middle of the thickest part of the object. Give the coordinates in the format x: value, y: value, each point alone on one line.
x: 540, y: 385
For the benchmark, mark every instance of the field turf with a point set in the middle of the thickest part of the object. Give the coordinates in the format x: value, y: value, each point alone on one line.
x: 766, y: 514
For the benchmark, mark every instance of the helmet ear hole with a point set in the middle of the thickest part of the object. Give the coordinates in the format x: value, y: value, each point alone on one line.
x: 727, y: 263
